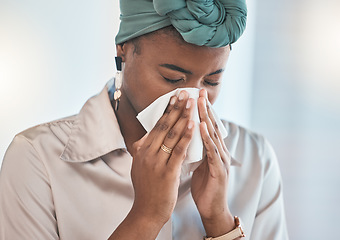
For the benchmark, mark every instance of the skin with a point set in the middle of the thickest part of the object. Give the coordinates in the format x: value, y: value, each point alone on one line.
x: 155, y: 174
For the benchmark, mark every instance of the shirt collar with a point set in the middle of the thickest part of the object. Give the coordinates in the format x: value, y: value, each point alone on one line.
x: 96, y: 132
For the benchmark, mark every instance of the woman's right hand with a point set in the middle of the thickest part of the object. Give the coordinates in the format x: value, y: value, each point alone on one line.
x: 155, y: 173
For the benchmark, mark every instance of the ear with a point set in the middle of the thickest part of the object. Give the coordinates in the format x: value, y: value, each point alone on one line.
x: 121, y: 51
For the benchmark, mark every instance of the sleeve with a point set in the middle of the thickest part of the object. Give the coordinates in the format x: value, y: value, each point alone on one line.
x: 26, y: 204
x: 270, y: 222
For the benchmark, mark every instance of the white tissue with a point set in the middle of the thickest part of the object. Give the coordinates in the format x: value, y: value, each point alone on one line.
x: 151, y: 114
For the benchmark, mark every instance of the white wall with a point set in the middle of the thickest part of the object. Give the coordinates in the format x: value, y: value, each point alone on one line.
x: 296, y: 104
x: 54, y: 55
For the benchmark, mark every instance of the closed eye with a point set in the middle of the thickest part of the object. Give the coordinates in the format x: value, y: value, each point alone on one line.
x: 213, y: 84
x: 173, y: 81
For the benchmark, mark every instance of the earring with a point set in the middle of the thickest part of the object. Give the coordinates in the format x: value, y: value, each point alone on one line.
x: 118, y: 82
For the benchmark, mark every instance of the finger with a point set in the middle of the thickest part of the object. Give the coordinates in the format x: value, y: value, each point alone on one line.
x: 203, y: 93
x: 165, y: 124
x: 213, y: 156
x: 204, y: 117
x: 225, y: 155
x: 171, y: 104
x: 224, y: 151
x: 177, y: 131
x: 179, y: 152
x: 216, y: 128
x: 207, y: 116
x: 168, y: 109
x: 137, y: 145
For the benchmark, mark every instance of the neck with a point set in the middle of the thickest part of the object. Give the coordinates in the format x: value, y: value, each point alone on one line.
x: 130, y: 127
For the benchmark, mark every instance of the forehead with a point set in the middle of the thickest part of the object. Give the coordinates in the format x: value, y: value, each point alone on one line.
x: 169, y: 37
x: 166, y: 47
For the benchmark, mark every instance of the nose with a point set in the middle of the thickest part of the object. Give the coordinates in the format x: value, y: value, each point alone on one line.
x: 193, y: 84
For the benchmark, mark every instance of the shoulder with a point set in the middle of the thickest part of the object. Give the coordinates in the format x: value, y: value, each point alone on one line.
x: 239, y: 133
x: 241, y: 139
x: 25, y: 185
x: 31, y: 153
x: 33, y: 145
x: 58, y: 129
x: 250, y: 149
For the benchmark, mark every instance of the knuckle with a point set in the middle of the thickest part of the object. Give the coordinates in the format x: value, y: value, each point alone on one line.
x: 135, y: 146
x: 215, y: 135
x: 225, y: 160
x: 136, y: 149
x: 178, y: 150
x: 210, y: 159
x: 176, y: 106
x: 224, y: 156
x: 185, y: 114
x: 136, y: 153
x: 227, y: 168
x: 204, y: 136
x: 167, y: 110
x: 187, y: 134
x: 157, y: 125
x: 205, y: 116
x: 163, y: 126
x: 172, y: 133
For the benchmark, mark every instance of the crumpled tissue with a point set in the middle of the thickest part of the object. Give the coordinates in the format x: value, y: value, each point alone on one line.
x: 151, y: 114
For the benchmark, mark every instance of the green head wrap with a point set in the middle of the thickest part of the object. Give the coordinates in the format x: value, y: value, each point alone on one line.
x: 213, y: 23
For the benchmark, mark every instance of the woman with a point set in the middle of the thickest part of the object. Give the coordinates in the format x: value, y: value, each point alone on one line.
x: 99, y: 175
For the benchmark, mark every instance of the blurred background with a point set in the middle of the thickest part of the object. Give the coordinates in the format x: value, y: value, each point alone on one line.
x: 282, y: 80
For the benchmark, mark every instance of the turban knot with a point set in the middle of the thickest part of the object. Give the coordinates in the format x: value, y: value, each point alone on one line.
x: 213, y: 23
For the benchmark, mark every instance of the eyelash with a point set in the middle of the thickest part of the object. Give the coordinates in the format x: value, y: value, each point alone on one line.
x: 213, y: 84
x: 174, y: 81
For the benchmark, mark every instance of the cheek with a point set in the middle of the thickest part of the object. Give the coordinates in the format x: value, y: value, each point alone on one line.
x: 213, y: 94
x: 135, y: 86
x: 143, y: 85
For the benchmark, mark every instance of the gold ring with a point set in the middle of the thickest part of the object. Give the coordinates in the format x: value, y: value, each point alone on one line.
x: 166, y: 149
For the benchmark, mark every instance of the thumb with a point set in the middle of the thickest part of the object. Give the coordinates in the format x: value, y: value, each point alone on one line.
x: 138, y: 144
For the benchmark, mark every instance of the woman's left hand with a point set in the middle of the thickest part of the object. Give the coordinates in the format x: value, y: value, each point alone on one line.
x: 210, y: 180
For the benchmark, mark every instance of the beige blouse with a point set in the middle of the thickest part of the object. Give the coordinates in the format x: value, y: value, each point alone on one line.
x: 70, y: 179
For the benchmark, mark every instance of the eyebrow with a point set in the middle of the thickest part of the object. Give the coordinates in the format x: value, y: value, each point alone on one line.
x: 176, y: 68
x: 179, y: 69
x: 216, y: 72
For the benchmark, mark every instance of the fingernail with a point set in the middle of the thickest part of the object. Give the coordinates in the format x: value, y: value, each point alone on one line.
x: 188, y: 104
x: 172, y: 100
x: 190, y: 125
x: 181, y: 96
